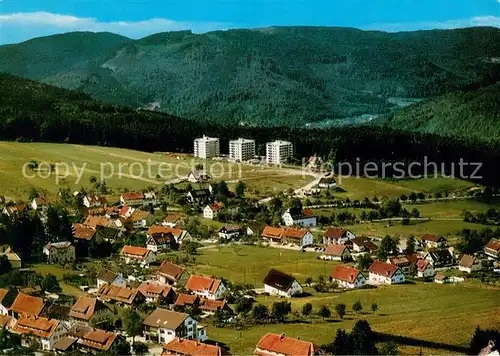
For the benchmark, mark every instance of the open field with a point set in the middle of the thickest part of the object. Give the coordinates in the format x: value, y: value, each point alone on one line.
x: 134, y: 174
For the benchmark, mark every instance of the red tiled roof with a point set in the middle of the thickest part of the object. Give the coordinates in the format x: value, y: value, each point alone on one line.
x: 41, y: 327
x: 186, y: 299
x: 171, y: 218
x: 190, y: 347
x: 96, y: 198
x: 217, y: 206
x: 383, y: 269
x: 134, y: 251
x: 467, y: 261
x: 4, y: 321
x: 83, y: 232
x: 308, y: 212
x: 345, y: 273
x: 159, y: 229
x: 133, y: 196
x: 27, y: 305
x: 335, y: 232
x: 335, y: 250
x: 202, y: 283
x: 154, y: 290
x: 98, y: 339
x: 295, y: 233
x: 118, y: 293
x: 494, y: 245
x: 139, y: 215
x: 210, y: 305
x: 170, y: 270
x: 284, y: 345
x: 433, y: 238
x: 272, y: 232
x: 83, y: 308
x: 94, y: 221
x: 422, y: 265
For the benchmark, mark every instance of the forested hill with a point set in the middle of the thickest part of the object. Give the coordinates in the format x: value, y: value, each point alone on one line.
x: 268, y: 77
x: 32, y: 111
x: 473, y: 113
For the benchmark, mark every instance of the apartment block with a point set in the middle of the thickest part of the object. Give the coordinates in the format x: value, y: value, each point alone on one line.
x: 241, y: 149
x: 206, y: 147
x: 278, y: 152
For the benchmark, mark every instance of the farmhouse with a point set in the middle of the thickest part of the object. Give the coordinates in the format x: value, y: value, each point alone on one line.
x: 229, y: 232
x: 178, y: 234
x: 327, y: 183
x: 156, y: 293
x: 298, y: 237
x: 347, y: 277
x: 93, y: 201
x: 211, y: 306
x: 159, y: 242
x: 425, y: 269
x: 187, y: 300
x: 403, y: 261
x: 282, y: 284
x: 132, y: 199
x: 337, y: 235
x: 440, y: 258
x: 173, y: 220
x: 211, y: 211
x: 42, y: 330
x: 85, y: 308
x: 281, y: 345
x: 60, y: 252
x: 492, y: 249
x: 162, y: 326
x: 434, y: 241
x: 469, y: 264
x: 172, y: 274
x: 305, y: 218
x: 208, y: 287
x: 92, y: 340
x: 362, y: 244
x: 121, y: 295
x: 179, y: 346
x: 272, y: 234
x: 141, y: 219
x: 135, y: 254
x: 337, y: 253
x: 110, y: 278
x: 26, y: 306
x: 385, y: 273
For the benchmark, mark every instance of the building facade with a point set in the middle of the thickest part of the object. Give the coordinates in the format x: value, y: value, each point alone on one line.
x: 206, y: 147
x: 241, y: 149
x: 278, y: 152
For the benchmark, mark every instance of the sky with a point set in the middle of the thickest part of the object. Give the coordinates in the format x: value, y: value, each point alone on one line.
x: 21, y: 20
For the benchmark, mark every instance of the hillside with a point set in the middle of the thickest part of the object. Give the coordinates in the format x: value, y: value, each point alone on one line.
x: 273, y: 76
x: 474, y: 113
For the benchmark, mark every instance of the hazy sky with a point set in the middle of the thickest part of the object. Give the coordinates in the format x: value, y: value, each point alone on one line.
x: 24, y: 19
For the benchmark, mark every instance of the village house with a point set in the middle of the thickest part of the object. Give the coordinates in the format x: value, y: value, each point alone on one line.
x: 327, y: 183
x: 186, y: 347
x: 298, y: 237
x: 82, y: 234
x: 43, y: 331
x: 132, y: 199
x: 336, y: 253
x: 40, y: 203
x: 91, y: 340
x: 281, y: 345
x: 126, y: 211
x: 434, y: 241
x: 362, y: 244
x: 385, y: 273
x: 121, y: 295
x: 198, y: 195
x: 337, y: 235
x: 208, y: 287
x: 348, y: 277
x: 172, y: 274
x: 95, y: 220
x: 173, y: 220
x: 4, y: 305
x: 198, y: 176
x: 469, y: 264
x: 156, y: 293
x: 93, y: 201
x: 162, y: 326
x: 425, y: 269
x: 142, y: 219
x: 282, y: 284
x: 11, y: 210
x: 211, y: 211
x: 440, y: 258
x: 60, y: 252
x: 26, y: 306
x: 272, y: 234
x: 179, y: 234
x: 403, y: 261
x: 85, y: 308
x: 210, y: 306
x: 186, y: 300
x: 110, y: 278
x: 492, y: 249
x: 14, y: 259
x: 229, y: 232
x: 135, y: 254
x: 441, y: 278
x: 304, y: 218
x: 160, y: 242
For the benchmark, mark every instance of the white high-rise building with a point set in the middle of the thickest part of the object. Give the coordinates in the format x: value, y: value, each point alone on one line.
x: 206, y: 147
x: 278, y: 152
x: 241, y: 149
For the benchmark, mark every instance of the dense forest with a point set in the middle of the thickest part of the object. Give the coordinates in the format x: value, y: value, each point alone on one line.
x: 34, y: 111
x: 279, y: 76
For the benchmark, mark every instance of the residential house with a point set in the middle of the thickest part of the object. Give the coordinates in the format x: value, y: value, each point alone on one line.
x: 179, y: 234
x: 198, y: 195
x: 172, y: 274
x: 26, y: 306
x: 282, y: 284
x: 91, y: 340
x: 337, y: 235
x: 66, y: 344
x: 121, y: 295
x: 362, y: 244
x: 135, y: 254
x: 208, y: 287
x: 126, y: 211
x: 230, y: 232
x: 11, y: 210
x: 327, y: 183
x: 60, y: 252
x: 211, y: 211
x: 132, y: 199
x: 185, y: 347
x: 469, y: 264
x: 492, y: 249
x: 13, y: 257
x: 403, y: 261
x: 281, y: 345
x: 93, y: 201
x: 40, y: 203
x: 7, y: 322
x: 385, y: 273
x: 162, y: 326
x: 425, y: 269
x: 348, y: 277
x: 434, y: 241
x: 85, y: 308
x: 4, y: 302
x: 299, y: 237
x: 173, y: 220
x: 160, y: 242
x: 83, y: 234
x: 441, y: 278
x: 337, y: 253
x: 440, y: 258
x: 210, y: 306
x: 272, y: 234
x: 198, y: 176
x: 95, y: 220
x: 186, y: 300
x: 156, y: 293
x: 111, y: 278
x: 43, y: 331
x: 142, y: 219
x: 304, y: 218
